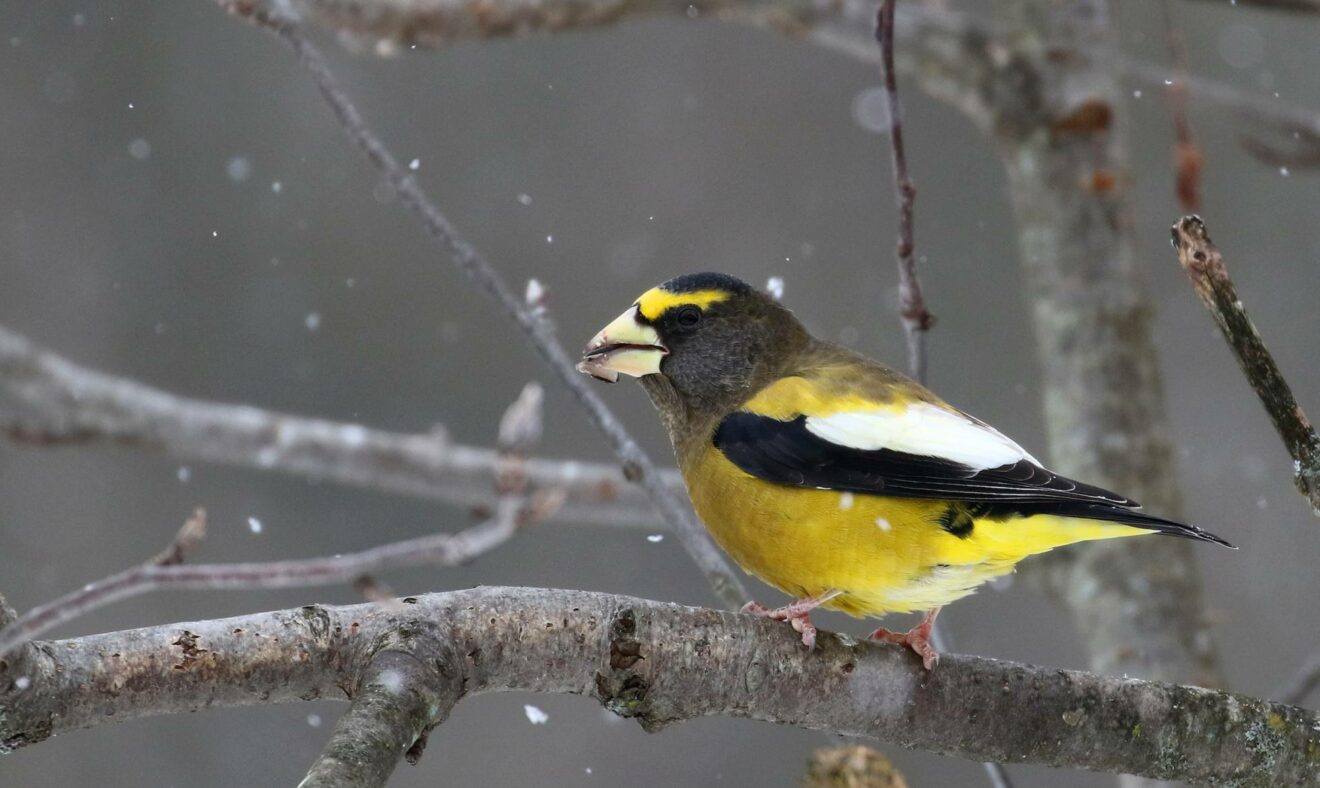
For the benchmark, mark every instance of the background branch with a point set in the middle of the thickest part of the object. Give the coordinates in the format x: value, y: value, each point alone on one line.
x: 1137, y: 604
x: 1187, y: 157
x: 1204, y: 265
x: 663, y: 663
x: 947, y: 53
x: 54, y: 402
x: 637, y: 466
x: 912, y: 305
x: 434, y: 550
x: 1301, y: 684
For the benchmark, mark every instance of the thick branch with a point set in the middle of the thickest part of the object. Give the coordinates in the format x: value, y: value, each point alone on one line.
x: 1204, y: 265
x: 637, y: 465
x: 664, y: 663
x: 402, y: 697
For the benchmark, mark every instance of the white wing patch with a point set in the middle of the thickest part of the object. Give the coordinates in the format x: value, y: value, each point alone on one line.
x: 921, y: 429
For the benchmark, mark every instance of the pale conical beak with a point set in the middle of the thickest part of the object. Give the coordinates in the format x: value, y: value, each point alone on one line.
x: 624, y: 346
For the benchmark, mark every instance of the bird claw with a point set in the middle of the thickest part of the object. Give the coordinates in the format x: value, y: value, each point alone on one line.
x: 797, y: 614
x: 917, y: 639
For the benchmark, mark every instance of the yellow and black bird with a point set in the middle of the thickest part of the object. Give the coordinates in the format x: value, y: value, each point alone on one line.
x: 832, y: 477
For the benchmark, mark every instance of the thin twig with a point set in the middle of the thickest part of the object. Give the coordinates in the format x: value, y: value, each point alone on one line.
x: 1290, y: 6
x: 637, y: 465
x: 519, y: 427
x: 1302, y: 683
x: 1187, y: 157
x: 1204, y: 265
x: 912, y: 306
x: 433, y: 550
x: 60, y: 403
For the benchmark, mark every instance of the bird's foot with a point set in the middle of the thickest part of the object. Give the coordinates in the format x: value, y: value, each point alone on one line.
x: 797, y: 614
x: 917, y: 639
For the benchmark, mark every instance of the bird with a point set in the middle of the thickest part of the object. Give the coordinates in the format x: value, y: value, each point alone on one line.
x: 834, y: 478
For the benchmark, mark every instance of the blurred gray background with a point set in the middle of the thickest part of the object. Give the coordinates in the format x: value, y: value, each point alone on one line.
x: 177, y: 202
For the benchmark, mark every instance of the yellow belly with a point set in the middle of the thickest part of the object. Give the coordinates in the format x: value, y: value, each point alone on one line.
x: 885, y: 555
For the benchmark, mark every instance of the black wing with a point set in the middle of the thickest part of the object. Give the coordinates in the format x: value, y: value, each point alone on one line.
x: 786, y: 452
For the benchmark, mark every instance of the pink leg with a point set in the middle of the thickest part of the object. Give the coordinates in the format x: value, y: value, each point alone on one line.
x: 797, y: 614
x: 917, y: 639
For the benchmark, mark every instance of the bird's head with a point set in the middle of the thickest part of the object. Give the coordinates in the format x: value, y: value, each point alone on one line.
x: 710, y: 337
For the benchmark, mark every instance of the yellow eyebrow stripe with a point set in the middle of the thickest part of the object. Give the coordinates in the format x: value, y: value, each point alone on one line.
x: 655, y: 302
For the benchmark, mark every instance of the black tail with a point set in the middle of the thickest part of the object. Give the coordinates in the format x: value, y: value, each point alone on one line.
x: 1120, y: 514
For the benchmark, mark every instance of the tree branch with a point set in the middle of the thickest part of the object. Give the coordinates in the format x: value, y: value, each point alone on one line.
x: 434, y: 550
x: 1204, y: 265
x: 1187, y: 157
x: 947, y: 53
x: 400, y: 699
x: 1301, y: 684
x: 663, y: 663
x: 637, y: 466
x: 56, y: 402
x: 1294, y: 6
x: 912, y: 305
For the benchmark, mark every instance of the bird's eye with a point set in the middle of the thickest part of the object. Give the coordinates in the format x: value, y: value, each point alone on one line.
x: 688, y: 316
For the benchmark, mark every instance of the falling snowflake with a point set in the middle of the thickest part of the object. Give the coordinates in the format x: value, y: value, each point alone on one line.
x: 254, y: 525
x: 534, y: 715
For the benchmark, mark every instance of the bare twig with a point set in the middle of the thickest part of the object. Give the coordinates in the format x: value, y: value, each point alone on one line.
x: 1204, y: 265
x: 912, y: 306
x: 434, y: 550
x: 519, y: 429
x: 946, y: 51
x: 1300, y: 152
x: 400, y: 699
x: 1279, y: 117
x: 1301, y: 684
x: 638, y: 658
x: 637, y: 466
x: 59, y: 403
x: 1293, y: 6
x: 1186, y: 153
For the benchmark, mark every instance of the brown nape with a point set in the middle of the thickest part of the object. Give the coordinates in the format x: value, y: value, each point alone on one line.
x: 741, y: 345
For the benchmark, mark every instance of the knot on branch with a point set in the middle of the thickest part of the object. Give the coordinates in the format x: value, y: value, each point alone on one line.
x: 623, y: 689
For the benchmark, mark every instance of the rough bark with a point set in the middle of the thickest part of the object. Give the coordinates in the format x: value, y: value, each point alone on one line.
x: 1204, y: 265
x: 663, y: 663
x: 405, y: 693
